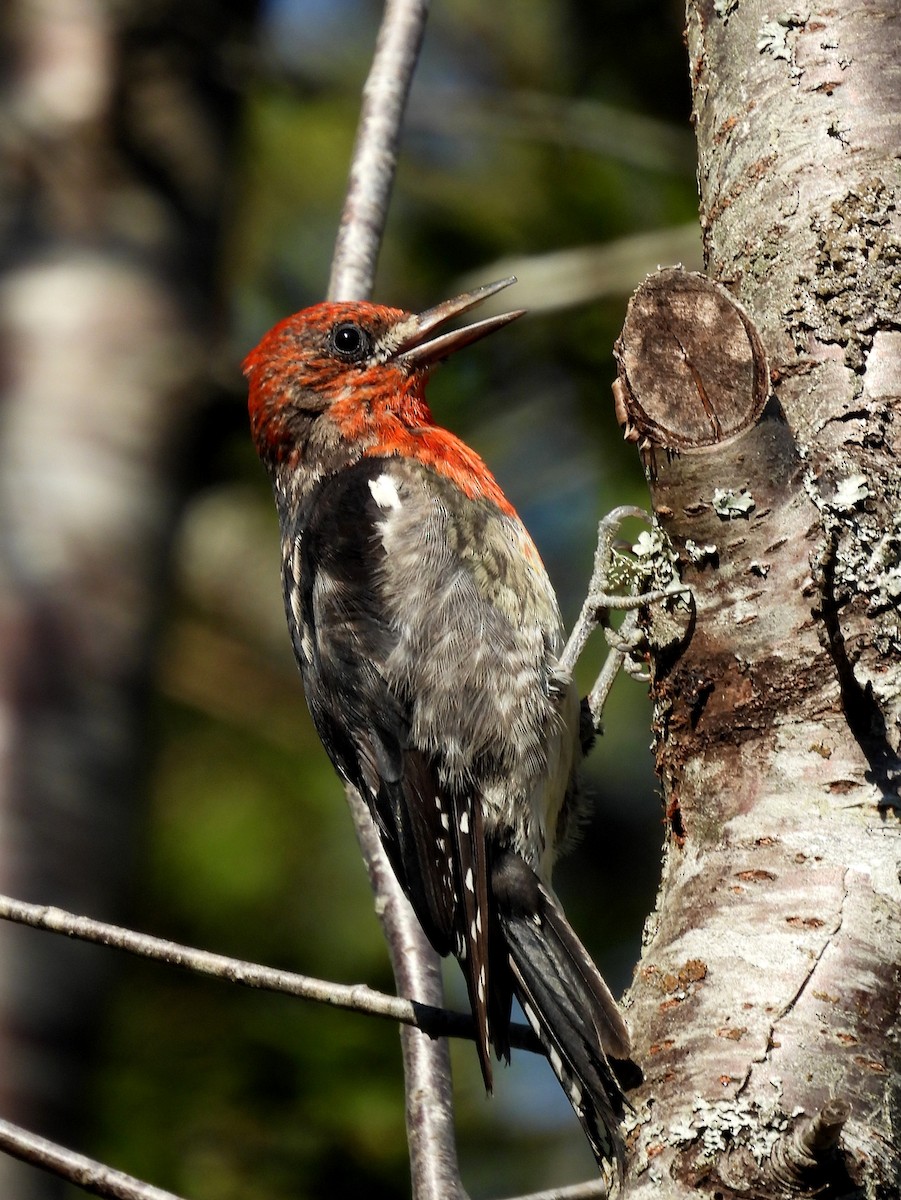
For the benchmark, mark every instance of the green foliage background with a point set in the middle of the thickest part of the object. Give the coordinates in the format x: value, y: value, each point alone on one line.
x: 521, y: 141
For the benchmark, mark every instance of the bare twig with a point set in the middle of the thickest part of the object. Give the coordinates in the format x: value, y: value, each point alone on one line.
x: 591, y: 1189
x: 91, y: 1176
x: 427, y: 1075
x: 357, y: 996
x: 375, y: 151
x: 429, y: 1112
x: 432, y: 1020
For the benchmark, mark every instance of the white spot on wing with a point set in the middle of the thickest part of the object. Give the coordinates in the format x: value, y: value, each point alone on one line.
x: 296, y: 608
x: 297, y: 558
x: 384, y: 492
x: 306, y: 644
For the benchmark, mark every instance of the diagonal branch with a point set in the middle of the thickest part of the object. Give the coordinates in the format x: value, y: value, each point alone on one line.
x: 427, y: 1077
x: 86, y: 1173
x: 432, y: 1020
x: 417, y: 972
x: 375, y: 151
x: 591, y: 1189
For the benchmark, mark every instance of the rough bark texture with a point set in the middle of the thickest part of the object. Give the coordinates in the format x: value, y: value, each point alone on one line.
x: 767, y: 996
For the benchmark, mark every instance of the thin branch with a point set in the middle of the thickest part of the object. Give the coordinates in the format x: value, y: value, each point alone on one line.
x: 375, y: 151
x: 429, y: 1100
x: 433, y: 1020
x: 88, y: 1174
x: 591, y: 1189
x: 357, y: 996
x: 434, y: 1172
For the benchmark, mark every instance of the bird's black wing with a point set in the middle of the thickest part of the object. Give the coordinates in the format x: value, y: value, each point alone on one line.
x: 344, y: 633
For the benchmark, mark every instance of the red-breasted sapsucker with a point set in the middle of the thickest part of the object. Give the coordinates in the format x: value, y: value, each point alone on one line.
x: 427, y: 634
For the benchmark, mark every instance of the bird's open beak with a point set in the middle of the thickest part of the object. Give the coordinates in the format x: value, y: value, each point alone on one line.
x: 419, y: 350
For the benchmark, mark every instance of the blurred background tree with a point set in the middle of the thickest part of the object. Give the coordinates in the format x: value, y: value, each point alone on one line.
x: 160, y: 766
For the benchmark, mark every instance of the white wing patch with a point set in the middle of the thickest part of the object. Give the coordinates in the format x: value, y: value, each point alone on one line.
x: 384, y: 492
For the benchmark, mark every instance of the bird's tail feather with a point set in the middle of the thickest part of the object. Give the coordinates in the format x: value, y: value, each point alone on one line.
x: 572, y: 1012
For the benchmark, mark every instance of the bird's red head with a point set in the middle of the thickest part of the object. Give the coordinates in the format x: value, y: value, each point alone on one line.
x: 315, y: 359
x: 363, y: 368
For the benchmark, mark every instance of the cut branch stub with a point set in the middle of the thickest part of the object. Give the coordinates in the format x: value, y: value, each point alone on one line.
x: 692, y: 370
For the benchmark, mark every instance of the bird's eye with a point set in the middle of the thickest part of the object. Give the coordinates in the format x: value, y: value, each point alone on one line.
x: 349, y: 341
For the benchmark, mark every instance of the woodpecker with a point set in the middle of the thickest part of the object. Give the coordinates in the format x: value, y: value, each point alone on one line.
x: 427, y: 635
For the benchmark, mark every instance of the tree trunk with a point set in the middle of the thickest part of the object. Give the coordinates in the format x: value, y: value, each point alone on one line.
x: 766, y: 1001
x: 115, y: 121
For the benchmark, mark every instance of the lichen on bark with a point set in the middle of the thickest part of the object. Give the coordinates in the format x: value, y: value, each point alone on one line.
x: 771, y: 1063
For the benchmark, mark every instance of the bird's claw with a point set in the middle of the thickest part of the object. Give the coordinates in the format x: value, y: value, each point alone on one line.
x: 603, y: 599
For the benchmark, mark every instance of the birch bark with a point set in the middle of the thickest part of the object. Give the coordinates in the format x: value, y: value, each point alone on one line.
x: 766, y: 1001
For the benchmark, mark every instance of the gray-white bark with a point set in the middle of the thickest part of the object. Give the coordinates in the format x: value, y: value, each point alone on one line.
x: 766, y: 1002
